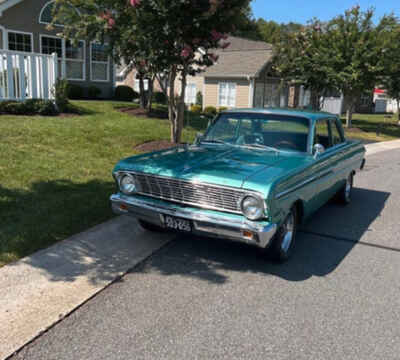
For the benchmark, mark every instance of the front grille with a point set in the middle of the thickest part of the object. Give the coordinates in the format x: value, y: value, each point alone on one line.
x: 186, y: 192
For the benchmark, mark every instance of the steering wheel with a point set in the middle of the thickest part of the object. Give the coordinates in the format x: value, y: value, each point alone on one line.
x: 285, y: 143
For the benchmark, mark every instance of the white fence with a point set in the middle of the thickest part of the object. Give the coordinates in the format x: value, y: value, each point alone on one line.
x: 27, y: 75
x: 332, y: 105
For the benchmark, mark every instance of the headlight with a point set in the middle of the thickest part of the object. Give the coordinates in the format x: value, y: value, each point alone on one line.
x: 127, y: 184
x: 253, y: 208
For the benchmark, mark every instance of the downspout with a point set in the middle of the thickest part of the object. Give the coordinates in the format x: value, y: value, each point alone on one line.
x: 4, y: 32
x: 251, y: 90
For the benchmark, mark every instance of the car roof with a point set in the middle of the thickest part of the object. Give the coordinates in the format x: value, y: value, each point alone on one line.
x: 309, y: 114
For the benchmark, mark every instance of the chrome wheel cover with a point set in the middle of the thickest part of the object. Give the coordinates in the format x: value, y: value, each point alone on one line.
x: 288, y: 231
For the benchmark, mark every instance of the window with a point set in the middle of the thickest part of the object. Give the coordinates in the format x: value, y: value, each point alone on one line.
x: 71, y: 59
x: 337, y: 137
x: 136, y: 86
x: 322, y: 135
x: 99, y: 62
x: 46, y: 14
x: 19, y: 41
x: 75, y: 60
x: 227, y: 94
x: 190, y: 94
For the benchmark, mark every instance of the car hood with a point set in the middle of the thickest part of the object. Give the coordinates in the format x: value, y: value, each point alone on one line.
x: 220, y: 165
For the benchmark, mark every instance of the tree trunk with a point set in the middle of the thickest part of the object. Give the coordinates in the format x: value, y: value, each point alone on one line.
x: 142, y: 93
x: 172, y: 109
x: 315, y: 100
x: 349, y: 112
x: 398, y: 110
x: 150, y: 94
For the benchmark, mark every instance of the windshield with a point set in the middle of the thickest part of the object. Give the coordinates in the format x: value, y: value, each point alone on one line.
x: 269, y: 131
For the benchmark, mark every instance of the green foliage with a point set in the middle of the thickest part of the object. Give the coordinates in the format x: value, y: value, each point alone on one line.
x: 75, y: 92
x: 93, y: 92
x: 125, y: 93
x: 29, y: 107
x: 196, y: 109
x: 274, y: 33
x: 199, y: 98
x: 210, y: 110
x: 159, y: 97
x: 61, y: 95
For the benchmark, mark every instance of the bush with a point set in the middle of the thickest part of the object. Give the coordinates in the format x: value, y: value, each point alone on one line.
x: 222, y: 108
x: 46, y: 108
x: 196, y: 109
x: 159, y: 97
x: 75, y: 92
x: 14, y: 108
x: 199, y: 99
x: 61, y: 95
x: 210, y: 110
x: 125, y: 93
x: 93, y: 92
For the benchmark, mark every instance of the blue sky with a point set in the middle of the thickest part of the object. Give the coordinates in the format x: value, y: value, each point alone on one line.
x: 301, y: 11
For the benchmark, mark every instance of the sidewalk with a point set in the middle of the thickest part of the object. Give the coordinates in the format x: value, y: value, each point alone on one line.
x: 41, y: 289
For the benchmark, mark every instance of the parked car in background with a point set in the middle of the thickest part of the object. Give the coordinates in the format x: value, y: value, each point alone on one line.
x: 253, y: 177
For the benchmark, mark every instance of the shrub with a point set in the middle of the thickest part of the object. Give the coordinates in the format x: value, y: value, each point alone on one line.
x: 125, y: 93
x: 222, y: 108
x: 196, y: 109
x: 210, y: 110
x: 46, y: 108
x: 13, y: 108
x: 75, y: 92
x: 159, y: 97
x: 61, y: 95
x: 93, y: 92
x: 199, y: 99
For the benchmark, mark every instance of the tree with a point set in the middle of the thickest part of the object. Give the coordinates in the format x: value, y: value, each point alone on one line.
x: 344, y: 54
x: 390, y: 79
x: 274, y: 33
x: 173, y: 39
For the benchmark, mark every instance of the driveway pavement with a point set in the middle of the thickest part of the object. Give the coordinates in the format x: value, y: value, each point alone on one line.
x: 338, y: 298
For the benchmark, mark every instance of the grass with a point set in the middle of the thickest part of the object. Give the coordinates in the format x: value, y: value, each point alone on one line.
x: 373, y: 127
x: 55, y: 173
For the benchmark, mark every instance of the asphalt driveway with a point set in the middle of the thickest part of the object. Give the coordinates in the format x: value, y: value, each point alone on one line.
x: 338, y: 298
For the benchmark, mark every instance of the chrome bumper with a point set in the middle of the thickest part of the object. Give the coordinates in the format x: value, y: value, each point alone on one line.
x: 218, y: 225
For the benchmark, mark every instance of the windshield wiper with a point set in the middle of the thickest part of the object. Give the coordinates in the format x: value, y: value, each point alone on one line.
x: 216, y: 142
x: 261, y: 146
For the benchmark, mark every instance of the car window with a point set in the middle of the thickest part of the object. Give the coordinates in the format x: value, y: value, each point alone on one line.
x: 337, y: 137
x: 322, y: 134
x: 224, y: 129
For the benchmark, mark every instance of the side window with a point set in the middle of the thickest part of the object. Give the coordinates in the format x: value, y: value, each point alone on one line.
x: 322, y: 135
x: 337, y: 137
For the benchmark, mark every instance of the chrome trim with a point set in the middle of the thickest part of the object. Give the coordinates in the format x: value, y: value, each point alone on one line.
x: 242, y: 192
x: 219, y: 225
x: 303, y: 183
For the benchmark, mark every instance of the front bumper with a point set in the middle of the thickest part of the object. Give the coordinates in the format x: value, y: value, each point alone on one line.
x: 205, y: 222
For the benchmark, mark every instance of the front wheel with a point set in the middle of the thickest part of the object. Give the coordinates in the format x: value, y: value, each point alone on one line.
x: 283, y: 242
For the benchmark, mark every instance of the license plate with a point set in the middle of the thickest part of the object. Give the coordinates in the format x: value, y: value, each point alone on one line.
x: 178, y: 224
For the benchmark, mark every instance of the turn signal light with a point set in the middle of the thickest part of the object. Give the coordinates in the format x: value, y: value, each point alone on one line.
x: 123, y: 207
x: 248, y: 234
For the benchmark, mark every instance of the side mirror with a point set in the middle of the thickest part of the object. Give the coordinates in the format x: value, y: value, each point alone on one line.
x: 318, y: 149
x: 199, y: 138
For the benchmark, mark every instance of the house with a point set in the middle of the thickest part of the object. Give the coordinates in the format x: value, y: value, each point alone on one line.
x: 23, y: 28
x: 242, y: 77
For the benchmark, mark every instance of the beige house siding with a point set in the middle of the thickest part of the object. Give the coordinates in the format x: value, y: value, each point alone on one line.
x: 25, y: 17
x: 211, y: 88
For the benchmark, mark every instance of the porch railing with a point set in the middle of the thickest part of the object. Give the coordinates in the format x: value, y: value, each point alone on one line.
x: 27, y: 75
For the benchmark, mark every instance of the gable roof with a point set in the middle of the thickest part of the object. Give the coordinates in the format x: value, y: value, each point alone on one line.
x: 6, y: 4
x: 243, y: 58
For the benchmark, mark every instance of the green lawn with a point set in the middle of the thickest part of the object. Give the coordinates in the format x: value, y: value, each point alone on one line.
x: 55, y: 173
x: 374, y: 127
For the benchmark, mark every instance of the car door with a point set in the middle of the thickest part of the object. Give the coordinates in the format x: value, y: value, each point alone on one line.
x: 322, y: 170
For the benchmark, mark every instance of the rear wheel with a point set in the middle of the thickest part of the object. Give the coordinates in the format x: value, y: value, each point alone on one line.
x: 283, y: 242
x: 344, y: 194
x: 150, y: 227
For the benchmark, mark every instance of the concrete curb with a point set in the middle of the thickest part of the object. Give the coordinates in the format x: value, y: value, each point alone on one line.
x: 382, y: 146
x: 39, y: 290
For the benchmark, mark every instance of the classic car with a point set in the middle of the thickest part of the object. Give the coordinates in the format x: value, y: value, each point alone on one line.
x: 253, y: 177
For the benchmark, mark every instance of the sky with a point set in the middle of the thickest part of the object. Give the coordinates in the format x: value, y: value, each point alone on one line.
x: 303, y: 10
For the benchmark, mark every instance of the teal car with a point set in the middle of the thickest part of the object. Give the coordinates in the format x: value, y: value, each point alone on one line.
x: 253, y: 177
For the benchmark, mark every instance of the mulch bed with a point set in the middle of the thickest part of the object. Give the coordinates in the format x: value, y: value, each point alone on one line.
x: 143, y: 113
x: 154, y: 146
